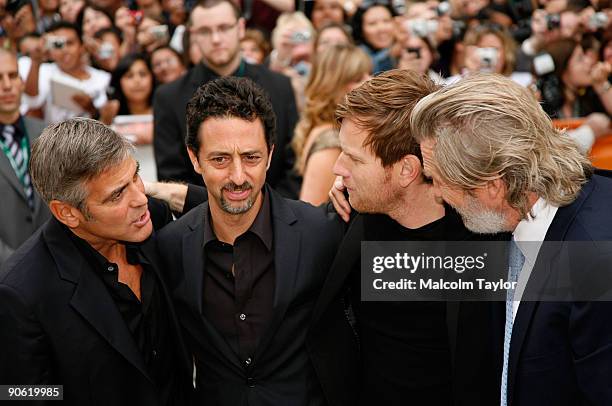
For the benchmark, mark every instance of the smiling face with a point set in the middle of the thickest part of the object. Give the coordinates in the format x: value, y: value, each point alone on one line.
x: 233, y: 159
x: 137, y: 83
x: 378, y: 27
x: 369, y: 184
x: 116, y: 206
x: 67, y: 58
x: 325, y: 12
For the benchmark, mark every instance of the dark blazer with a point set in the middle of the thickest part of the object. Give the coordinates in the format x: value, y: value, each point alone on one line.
x: 17, y: 221
x: 169, y: 112
x: 305, y: 242
x: 60, y: 325
x: 561, y: 352
x: 473, y: 334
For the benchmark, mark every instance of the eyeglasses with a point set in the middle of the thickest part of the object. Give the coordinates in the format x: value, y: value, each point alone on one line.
x: 206, y: 32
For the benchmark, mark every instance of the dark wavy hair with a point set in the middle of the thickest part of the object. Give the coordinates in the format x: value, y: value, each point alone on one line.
x: 357, y: 21
x: 123, y: 66
x: 229, y: 97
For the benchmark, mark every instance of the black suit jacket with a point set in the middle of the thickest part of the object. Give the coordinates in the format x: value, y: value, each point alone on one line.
x: 305, y: 242
x: 169, y: 112
x: 61, y: 326
x: 475, y: 334
x: 561, y: 352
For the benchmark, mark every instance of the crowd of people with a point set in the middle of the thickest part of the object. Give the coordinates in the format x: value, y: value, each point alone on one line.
x: 285, y: 134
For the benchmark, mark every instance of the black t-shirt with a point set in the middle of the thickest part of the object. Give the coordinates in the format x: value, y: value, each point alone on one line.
x: 404, y: 345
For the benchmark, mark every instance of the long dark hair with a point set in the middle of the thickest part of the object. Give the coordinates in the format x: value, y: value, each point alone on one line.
x: 357, y: 21
x: 123, y: 66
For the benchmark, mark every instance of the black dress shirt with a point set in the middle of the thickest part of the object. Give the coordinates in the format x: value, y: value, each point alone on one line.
x: 239, y: 283
x: 147, y: 318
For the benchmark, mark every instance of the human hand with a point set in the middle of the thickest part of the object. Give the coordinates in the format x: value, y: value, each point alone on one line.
x: 336, y: 195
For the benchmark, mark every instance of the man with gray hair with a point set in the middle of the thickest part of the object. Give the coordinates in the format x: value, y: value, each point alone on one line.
x: 82, y: 302
x: 494, y: 155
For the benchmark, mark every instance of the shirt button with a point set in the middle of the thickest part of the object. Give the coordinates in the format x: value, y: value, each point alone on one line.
x: 154, y: 352
x: 242, y: 316
x: 111, y: 268
x: 248, y: 361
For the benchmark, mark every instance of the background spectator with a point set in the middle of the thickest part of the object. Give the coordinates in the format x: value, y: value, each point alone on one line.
x: 131, y: 90
x: 578, y: 85
x: 324, y: 12
x: 338, y: 70
x: 107, y: 46
x: 69, y: 9
x: 167, y: 64
x: 66, y: 51
x: 331, y: 34
x: 254, y: 46
x: 374, y: 31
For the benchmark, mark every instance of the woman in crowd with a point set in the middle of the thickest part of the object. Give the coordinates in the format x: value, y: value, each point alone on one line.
x: 335, y: 72
x: 417, y: 54
x: 293, y: 43
x: 167, y: 64
x: 374, y: 32
x: 254, y: 46
x: 490, y: 47
x: 90, y: 20
x: 69, y: 9
x: 324, y: 12
x: 579, y: 84
x: 331, y: 34
x: 131, y: 87
x: 107, y: 49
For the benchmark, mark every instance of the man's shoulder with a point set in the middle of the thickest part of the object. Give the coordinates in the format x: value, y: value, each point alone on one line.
x: 176, y: 86
x: 187, y: 221
x: 315, y: 218
x: 264, y: 76
x: 30, y: 265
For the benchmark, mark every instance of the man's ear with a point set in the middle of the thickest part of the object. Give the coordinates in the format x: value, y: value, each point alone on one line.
x: 409, y: 169
x: 194, y: 161
x: 496, y: 189
x: 66, y: 213
x: 270, y: 156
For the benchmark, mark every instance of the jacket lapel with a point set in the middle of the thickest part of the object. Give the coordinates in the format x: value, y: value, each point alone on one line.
x: 286, y: 263
x: 7, y: 171
x: 556, y: 232
x: 348, y: 253
x: 91, y: 298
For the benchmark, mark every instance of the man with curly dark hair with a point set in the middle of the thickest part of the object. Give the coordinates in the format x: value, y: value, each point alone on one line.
x: 249, y: 263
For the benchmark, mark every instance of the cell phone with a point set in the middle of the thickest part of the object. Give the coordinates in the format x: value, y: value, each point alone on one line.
x: 159, y: 32
x: 553, y: 21
x: 488, y: 58
x: 414, y: 50
x: 300, y: 37
x: 106, y: 50
x: 55, y: 42
x: 598, y: 20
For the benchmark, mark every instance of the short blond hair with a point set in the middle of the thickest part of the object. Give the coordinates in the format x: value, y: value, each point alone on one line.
x: 487, y: 127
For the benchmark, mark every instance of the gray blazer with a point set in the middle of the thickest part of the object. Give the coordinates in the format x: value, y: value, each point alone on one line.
x: 17, y: 222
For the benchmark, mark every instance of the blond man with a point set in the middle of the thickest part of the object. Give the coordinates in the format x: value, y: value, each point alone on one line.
x: 494, y: 156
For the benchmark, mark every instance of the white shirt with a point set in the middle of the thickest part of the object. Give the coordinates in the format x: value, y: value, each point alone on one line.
x: 529, y: 232
x: 95, y: 86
